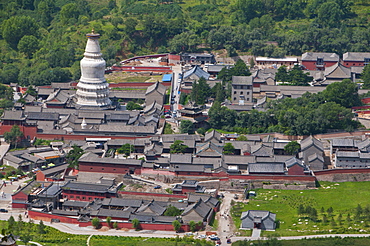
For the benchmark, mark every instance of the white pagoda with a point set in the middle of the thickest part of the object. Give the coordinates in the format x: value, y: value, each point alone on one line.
x: 92, y: 89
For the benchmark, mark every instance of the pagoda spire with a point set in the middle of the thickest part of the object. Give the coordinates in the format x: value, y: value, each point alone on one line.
x: 93, y: 89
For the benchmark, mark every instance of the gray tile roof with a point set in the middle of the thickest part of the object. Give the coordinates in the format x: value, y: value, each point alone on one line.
x: 337, y: 71
x: 311, y: 141
x: 355, y: 56
x: 154, y: 207
x: 363, y: 144
x: 181, y: 158
x: 311, y: 56
x: 92, y: 158
x: 89, y: 187
x: 272, y: 168
x: 212, y: 135
x: 242, y: 80
x: 141, y: 218
x: 43, y: 116
x: 200, y: 207
x: 238, y: 159
x: 156, y: 86
x: 197, y: 71
x: 293, y: 161
x: 262, y: 150
x: 315, y: 156
x: 187, y: 168
x: 112, y: 213
x: 342, y: 142
x: 13, y: 115
x: 72, y: 203
x: 122, y: 129
x: 119, y: 202
x: 349, y: 154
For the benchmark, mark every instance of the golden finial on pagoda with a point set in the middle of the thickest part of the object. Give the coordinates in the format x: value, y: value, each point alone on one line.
x: 92, y: 31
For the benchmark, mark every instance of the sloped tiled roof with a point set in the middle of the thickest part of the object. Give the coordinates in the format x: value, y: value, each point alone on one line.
x: 266, y: 168
x: 242, y: 80
x: 156, y: 86
x: 311, y: 56
x: 197, y: 71
x: 315, y: 156
x: 311, y: 141
x: 356, y: 56
x: 337, y: 71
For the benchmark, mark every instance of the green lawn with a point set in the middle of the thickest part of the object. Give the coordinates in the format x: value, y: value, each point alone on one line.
x: 50, y: 236
x: 342, y: 197
x: 333, y: 241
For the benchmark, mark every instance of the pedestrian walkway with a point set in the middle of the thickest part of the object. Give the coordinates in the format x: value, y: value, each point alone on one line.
x: 256, y: 233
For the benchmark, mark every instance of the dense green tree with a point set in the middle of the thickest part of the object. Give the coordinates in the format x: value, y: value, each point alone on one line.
x: 28, y: 45
x: 292, y: 148
x: 9, y: 74
x: 186, y: 126
x: 365, y: 76
x: 176, y: 225
x: 131, y: 105
x: 16, y: 27
x: 178, y: 147
x: 14, y: 136
x: 135, y: 224
x: 239, y: 69
x: 192, y: 225
x: 229, y: 149
x: 282, y: 74
x: 126, y: 149
x: 108, y: 220
x: 344, y: 93
x: 41, y: 229
x: 6, y: 92
x: 200, y: 91
x: 95, y: 222
x: 172, y: 211
x: 73, y: 155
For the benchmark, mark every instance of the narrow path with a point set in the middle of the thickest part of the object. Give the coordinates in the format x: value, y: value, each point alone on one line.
x: 88, y: 240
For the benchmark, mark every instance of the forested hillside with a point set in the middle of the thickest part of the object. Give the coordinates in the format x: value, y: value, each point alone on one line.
x: 43, y: 40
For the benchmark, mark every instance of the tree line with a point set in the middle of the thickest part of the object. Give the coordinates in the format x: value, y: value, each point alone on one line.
x: 42, y: 41
x: 309, y: 114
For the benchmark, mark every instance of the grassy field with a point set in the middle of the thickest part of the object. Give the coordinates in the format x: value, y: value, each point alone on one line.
x: 343, y: 198
x: 333, y: 241
x: 53, y: 237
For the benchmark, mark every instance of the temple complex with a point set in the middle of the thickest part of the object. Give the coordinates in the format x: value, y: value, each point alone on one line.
x: 92, y: 89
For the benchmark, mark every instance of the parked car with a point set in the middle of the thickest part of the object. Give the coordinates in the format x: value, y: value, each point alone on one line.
x: 228, y: 240
x: 3, y: 210
x: 157, y: 187
x: 219, y: 241
x: 236, y: 196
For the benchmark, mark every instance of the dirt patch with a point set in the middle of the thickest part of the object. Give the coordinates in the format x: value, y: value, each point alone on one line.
x: 104, y: 228
x: 125, y: 229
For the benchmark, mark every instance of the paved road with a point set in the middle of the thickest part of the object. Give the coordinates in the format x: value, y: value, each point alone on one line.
x: 224, y: 219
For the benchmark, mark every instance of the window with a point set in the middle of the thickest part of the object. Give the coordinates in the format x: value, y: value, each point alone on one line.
x: 366, y: 61
x: 320, y: 61
x: 241, y: 93
x: 90, y: 168
x: 234, y: 98
x: 234, y: 92
x: 248, y: 99
x: 71, y: 196
x: 89, y: 198
x: 247, y: 92
x: 83, y: 198
x: 102, y: 169
x: 77, y: 197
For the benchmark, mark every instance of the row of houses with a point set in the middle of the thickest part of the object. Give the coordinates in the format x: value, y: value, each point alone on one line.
x: 81, y: 202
